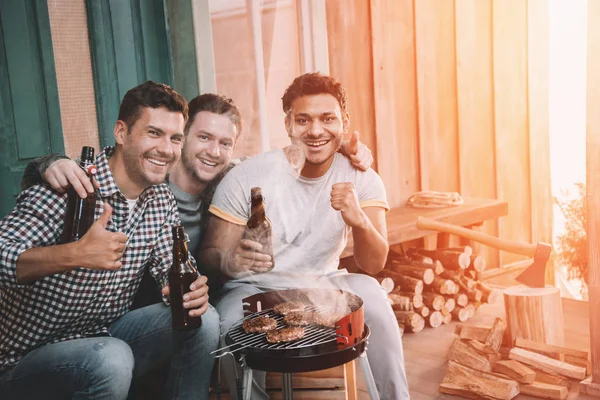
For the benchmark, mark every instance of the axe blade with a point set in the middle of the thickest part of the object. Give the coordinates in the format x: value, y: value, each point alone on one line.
x: 535, y: 275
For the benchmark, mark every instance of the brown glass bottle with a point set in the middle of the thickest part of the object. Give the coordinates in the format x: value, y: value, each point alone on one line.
x: 258, y: 227
x: 181, y: 275
x: 80, y: 212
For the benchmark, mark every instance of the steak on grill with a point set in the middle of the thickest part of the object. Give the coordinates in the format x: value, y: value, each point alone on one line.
x: 288, y: 334
x: 288, y: 306
x: 298, y: 318
x: 259, y: 325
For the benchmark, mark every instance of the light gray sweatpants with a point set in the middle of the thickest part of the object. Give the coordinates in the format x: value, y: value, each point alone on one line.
x: 385, y: 352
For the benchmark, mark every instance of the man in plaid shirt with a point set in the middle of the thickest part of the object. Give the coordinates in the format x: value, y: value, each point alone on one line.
x: 65, y: 326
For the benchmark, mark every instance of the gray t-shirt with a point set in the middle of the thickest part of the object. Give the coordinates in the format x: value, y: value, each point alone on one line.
x: 308, y: 234
x: 190, y: 212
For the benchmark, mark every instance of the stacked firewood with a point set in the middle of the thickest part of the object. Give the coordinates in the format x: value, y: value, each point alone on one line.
x: 433, y: 287
x: 478, y: 367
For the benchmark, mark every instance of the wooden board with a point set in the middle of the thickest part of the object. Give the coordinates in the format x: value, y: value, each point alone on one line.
x: 402, y: 221
x: 349, y: 39
x: 395, y: 96
x: 436, y: 83
x: 476, y: 108
x: 539, y: 132
x: 593, y: 179
x: 510, y: 113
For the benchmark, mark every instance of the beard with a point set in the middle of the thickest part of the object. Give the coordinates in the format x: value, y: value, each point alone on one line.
x: 188, y: 163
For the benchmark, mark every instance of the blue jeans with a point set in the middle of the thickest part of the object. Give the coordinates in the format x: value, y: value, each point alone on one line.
x: 102, y: 367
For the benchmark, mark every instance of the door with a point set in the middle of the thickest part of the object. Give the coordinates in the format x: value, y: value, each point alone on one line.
x: 129, y: 44
x: 30, y: 124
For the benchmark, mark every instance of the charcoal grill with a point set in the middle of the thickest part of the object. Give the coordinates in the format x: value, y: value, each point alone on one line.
x: 320, y: 348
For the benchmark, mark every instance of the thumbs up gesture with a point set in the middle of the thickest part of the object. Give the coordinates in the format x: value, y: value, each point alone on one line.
x: 345, y: 200
x: 358, y: 153
x: 100, y: 249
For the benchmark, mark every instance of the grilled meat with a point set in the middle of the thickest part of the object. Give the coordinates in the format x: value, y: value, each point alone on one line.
x: 288, y: 306
x: 298, y: 318
x: 259, y: 325
x: 288, y: 334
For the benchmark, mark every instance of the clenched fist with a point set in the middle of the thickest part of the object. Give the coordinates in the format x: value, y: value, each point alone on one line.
x: 345, y: 200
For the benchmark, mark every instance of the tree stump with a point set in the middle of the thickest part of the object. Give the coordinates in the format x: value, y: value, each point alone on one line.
x: 534, y: 314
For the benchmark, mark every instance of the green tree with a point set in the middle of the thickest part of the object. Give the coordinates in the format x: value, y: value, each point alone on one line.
x: 572, y: 245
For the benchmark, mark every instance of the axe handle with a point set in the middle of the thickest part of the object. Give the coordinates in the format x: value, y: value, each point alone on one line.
x: 523, y: 248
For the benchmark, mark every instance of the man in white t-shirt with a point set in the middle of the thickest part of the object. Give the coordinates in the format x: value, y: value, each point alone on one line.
x: 314, y: 199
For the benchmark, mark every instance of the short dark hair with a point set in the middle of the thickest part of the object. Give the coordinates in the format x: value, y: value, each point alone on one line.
x: 216, y: 104
x: 314, y: 83
x: 153, y: 95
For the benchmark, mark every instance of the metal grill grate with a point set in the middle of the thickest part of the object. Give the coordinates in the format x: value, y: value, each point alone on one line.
x: 314, y: 335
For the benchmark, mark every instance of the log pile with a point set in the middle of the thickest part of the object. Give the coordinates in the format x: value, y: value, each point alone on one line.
x: 478, y: 367
x: 433, y: 287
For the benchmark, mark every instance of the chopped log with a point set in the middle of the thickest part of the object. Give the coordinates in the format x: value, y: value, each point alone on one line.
x: 408, y: 284
x: 480, y: 347
x: 515, y: 370
x: 433, y: 300
x: 424, y: 274
x: 474, y: 295
x: 450, y: 303
x: 442, y: 286
x: 534, y: 314
x: 548, y: 349
x: 401, y: 303
x: 580, y: 362
x: 489, y: 295
x: 471, y: 307
x: 494, y: 339
x: 464, y: 354
x: 420, y: 258
x: 461, y: 314
x: 474, y: 332
x: 415, y: 298
x: 449, y: 259
x: 423, y: 311
x: 504, y: 352
x: 386, y: 283
x: 544, y: 390
x: 446, y: 319
x: 478, y: 263
x: 461, y: 299
x: 461, y: 249
x: 535, y: 359
x: 411, y: 320
x: 438, y: 267
x: 471, y: 383
x: 546, y: 376
x: 435, y: 319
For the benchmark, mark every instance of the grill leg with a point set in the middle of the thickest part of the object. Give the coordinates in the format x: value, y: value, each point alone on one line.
x: 288, y: 390
x: 247, y: 383
x: 368, y: 375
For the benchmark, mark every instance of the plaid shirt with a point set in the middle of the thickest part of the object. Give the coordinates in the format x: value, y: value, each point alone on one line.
x: 81, y: 302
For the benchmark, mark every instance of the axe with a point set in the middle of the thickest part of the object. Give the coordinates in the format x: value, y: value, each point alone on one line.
x: 534, y: 276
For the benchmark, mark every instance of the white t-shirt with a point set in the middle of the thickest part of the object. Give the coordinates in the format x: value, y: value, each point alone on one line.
x: 308, y: 234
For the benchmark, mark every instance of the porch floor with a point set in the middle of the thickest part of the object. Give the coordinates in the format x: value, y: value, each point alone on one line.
x: 425, y: 358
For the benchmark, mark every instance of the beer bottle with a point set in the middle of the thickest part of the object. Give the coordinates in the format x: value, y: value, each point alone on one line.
x: 181, y: 275
x: 80, y: 212
x: 258, y: 227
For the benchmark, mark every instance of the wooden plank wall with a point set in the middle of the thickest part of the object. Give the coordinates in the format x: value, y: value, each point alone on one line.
x: 460, y: 100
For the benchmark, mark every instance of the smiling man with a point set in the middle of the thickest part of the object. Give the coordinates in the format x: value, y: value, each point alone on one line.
x: 313, y: 207
x: 66, y: 326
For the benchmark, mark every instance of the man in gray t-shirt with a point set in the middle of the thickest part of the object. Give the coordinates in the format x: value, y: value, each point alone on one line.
x: 314, y: 199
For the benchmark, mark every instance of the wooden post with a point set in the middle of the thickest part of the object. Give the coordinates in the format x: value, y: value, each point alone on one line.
x: 350, y: 380
x: 591, y: 386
